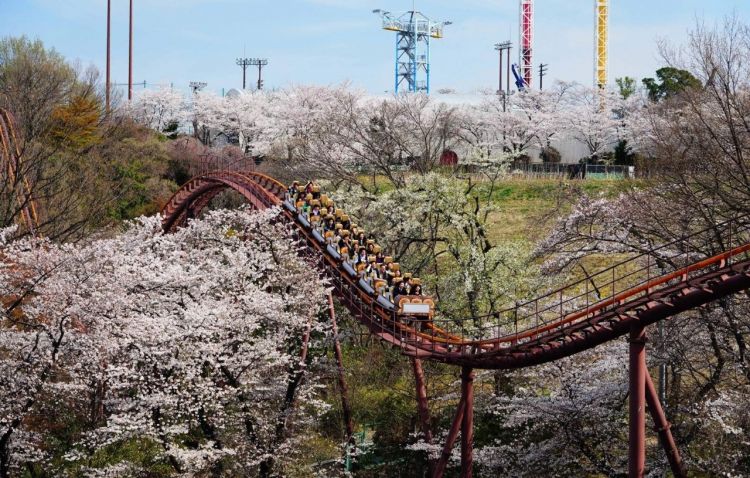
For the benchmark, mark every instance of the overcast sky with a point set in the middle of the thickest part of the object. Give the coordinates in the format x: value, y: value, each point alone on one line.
x: 331, y: 41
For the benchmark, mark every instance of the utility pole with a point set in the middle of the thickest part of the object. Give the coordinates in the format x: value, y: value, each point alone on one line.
x: 107, y: 93
x: 130, y: 55
x: 542, y: 71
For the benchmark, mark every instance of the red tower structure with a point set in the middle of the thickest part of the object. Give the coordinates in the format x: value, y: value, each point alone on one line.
x: 526, y: 41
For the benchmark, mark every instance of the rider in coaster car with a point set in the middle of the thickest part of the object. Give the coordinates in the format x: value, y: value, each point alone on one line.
x: 362, y: 256
x: 309, y: 187
x: 381, y: 272
x: 293, y: 191
x: 344, y: 238
x: 370, y: 271
x: 379, y: 256
x: 399, y: 289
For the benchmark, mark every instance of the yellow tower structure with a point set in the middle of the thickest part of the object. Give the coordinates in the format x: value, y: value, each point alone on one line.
x: 601, y: 41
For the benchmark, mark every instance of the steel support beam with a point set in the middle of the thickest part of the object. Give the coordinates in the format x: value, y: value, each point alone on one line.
x: 637, y: 405
x: 423, y: 406
x: 450, y: 440
x: 467, y: 425
x: 663, y: 428
x: 345, y: 407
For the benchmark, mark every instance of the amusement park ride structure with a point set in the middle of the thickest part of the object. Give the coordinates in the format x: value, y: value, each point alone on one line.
x: 525, y: 68
x: 413, y: 34
x: 601, y: 42
x: 526, y: 42
x: 627, y: 297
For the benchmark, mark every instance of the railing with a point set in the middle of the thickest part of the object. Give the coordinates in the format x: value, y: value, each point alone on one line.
x: 635, y: 278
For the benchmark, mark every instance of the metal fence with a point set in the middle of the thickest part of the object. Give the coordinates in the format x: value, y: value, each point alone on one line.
x: 573, y: 171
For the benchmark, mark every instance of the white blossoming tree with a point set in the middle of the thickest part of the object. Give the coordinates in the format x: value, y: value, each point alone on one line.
x: 187, y: 344
x: 158, y: 109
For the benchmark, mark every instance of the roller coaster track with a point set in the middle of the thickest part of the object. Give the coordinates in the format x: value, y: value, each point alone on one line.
x: 10, y: 165
x: 619, y: 300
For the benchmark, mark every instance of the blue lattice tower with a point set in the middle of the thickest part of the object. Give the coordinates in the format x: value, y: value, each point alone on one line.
x: 413, y: 34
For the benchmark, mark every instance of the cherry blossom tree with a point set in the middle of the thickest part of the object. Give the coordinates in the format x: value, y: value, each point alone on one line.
x: 567, y: 418
x: 499, y: 130
x: 157, y: 109
x: 190, y: 342
x: 590, y: 116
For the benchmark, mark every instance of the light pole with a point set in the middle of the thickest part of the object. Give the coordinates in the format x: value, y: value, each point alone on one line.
x: 130, y: 55
x: 107, y: 90
x: 501, y: 47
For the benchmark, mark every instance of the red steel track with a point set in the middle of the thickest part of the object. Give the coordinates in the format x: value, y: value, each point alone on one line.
x: 561, y: 323
x: 619, y: 300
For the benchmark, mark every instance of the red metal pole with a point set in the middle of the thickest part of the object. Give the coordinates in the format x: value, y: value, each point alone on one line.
x: 467, y: 425
x: 637, y: 432
x: 107, y: 99
x: 422, y: 405
x: 450, y: 440
x: 130, y: 55
x: 662, y: 427
x: 345, y: 407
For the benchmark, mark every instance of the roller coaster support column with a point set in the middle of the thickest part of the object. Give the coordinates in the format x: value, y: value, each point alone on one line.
x: 662, y: 427
x: 637, y: 432
x: 467, y: 425
x: 346, y: 409
x: 422, y: 406
x: 452, y: 434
